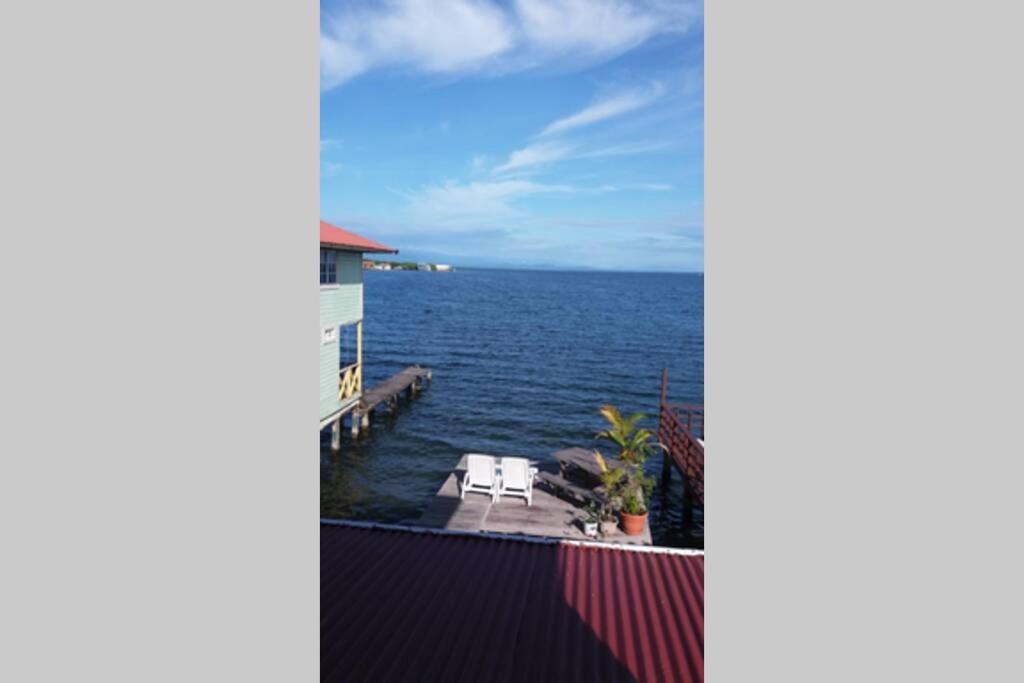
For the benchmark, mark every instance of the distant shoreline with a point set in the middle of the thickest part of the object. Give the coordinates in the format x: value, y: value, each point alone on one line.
x: 542, y: 269
x: 371, y: 264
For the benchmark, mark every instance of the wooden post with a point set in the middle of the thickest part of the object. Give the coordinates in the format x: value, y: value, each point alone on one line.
x: 336, y: 435
x: 359, y: 357
x: 666, y: 465
x: 355, y: 426
x: 364, y: 421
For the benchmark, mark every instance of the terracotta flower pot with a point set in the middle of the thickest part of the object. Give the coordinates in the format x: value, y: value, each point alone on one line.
x: 633, y: 525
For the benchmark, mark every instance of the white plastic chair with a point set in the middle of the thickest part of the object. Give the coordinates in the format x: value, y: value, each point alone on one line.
x: 516, y: 479
x: 481, y: 476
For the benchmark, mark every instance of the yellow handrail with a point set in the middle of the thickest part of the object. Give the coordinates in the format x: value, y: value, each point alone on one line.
x: 350, y: 381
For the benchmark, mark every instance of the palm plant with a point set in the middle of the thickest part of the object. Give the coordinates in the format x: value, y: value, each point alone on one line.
x: 634, y: 444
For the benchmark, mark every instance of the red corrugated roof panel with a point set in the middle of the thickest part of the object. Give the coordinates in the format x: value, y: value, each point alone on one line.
x: 333, y: 235
x: 401, y: 605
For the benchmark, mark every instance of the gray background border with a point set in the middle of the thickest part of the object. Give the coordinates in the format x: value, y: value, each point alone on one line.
x: 158, y: 495
x: 159, y: 491
x: 863, y: 341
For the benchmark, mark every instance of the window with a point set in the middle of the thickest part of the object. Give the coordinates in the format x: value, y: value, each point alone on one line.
x: 347, y: 352
x: 328, y: 335
x: 328, y: 267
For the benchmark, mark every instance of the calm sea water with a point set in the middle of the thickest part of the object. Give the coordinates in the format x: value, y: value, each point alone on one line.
x: 521, y: 360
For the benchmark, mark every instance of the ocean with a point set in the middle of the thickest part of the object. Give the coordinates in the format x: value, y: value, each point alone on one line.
x: 521, y: 361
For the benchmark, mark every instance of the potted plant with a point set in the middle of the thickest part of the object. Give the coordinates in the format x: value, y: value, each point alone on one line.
x: 609, y: 524
x: 631, y: 486
x: 636, y: 490
x: 610, y: 480
x: 590, y: 522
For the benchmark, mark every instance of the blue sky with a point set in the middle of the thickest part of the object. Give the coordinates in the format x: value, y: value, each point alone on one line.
x: 562, y: 133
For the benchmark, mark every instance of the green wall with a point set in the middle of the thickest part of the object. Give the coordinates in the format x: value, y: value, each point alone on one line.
x: 339, y: 305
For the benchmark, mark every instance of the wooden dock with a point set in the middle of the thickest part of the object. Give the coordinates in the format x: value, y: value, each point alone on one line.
x: 385, y: 395
x: 550, y: 515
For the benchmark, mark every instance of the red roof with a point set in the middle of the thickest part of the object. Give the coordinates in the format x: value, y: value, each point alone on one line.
x: 398, y: 604
x: 335, y: 236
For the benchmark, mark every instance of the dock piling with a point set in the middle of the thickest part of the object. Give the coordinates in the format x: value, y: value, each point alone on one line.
x: 336, y: 435
x: 666, y: 460
x: 386, y: 394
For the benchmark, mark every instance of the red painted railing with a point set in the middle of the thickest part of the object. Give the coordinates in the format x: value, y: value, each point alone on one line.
x: 681, y: 431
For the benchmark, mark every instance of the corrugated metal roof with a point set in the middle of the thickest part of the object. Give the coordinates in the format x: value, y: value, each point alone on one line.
x: 400, y: 605
x: 332, y: 234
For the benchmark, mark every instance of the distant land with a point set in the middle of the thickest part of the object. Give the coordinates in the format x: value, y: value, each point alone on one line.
x: 371, y: 264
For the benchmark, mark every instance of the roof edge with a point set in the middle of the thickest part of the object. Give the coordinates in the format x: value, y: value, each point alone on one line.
x: 543, y: 540
x: 358, y: 250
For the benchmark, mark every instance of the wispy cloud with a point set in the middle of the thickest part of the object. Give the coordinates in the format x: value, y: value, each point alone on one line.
x: 540, y: 154
x: 624, y: 149
x: 329, y: 169
x: 607, y: 108
x: 534, y: 155
x: 460, y: 37
x: 550, y: 151
x: 447, y: 37
x: 602, y: 27
x: 454, y: 201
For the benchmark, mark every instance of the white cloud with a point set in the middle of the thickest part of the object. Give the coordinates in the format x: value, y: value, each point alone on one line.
x: 607, y: 108
x: 534, y: 155
x: 329, y: 169
x: 454, y: 204
x: 521, y: 161
x: 440, y: 36
x: 339, y: 62
x: 459, y: 37
x: 475, y: 200
x: 624, y: 150
x: 434, y: 37
x: 601, y: 27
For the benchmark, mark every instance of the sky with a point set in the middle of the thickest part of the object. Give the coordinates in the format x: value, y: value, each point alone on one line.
x: 526, y: 133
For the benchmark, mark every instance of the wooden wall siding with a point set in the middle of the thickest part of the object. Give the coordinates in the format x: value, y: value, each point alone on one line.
x: 328, y: 379
x: 341, y: 305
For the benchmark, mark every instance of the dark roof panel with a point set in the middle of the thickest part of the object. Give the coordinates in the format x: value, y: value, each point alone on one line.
x: 400, y: 605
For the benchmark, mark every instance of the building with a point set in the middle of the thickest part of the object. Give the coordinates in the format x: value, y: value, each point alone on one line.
x: 442, y: 267
x: 341, y: 322
x: 401, y: 603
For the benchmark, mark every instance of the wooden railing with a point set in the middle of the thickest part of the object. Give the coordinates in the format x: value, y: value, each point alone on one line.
x: 350, y: 382
x: 691, y: 417
x: 681, y: 431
